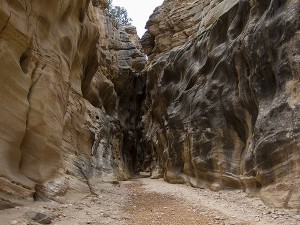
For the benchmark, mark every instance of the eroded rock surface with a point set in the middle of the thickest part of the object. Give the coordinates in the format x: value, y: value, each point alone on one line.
x: 68, y: 83
x: 222, y: 106
x: 219, y: 100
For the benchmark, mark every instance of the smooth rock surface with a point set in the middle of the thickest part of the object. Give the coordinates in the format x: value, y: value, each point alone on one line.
x: 64, y: 120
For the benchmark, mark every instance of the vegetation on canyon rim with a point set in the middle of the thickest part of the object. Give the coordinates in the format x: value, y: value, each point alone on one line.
x: 119, y: 13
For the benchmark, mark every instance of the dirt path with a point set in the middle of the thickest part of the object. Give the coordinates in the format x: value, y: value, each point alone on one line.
x: 146, y: 201
x: 148, y: 207
x: 224, y: 207
x: 157, y: 202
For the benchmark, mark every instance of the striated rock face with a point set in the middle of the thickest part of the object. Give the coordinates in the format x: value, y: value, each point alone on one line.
x: 70, y: 85
x: 220, y: 110
x: 222, y: 107
x: 176, y: 22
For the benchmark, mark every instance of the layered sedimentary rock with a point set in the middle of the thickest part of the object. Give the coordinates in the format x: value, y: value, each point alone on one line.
x: 69, y: 83
x: 222, y: 108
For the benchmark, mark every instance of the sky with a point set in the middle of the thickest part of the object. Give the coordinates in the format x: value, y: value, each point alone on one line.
x: 139, y: 11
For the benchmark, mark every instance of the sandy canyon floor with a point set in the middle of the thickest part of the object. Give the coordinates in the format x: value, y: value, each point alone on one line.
x: 143, y: 201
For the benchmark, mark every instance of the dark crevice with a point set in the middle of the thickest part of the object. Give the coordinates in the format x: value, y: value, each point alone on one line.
x: 6, y: 23
x: 86, y: 179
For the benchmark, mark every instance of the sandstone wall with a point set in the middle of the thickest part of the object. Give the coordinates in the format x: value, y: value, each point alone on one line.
x: 63, y: 119
x: 222, y: 105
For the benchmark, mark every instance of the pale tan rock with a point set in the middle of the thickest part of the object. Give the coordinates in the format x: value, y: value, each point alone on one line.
x: 176, y: 22
x: 63, y: 66
x: 216, y: 12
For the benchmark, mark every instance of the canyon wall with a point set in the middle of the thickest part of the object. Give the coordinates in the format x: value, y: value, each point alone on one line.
x: 70, y: 87
x: 222, y: 108
x: 217, y: 105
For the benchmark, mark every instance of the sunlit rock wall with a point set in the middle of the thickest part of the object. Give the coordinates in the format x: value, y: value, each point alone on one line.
x: 62, y: 66
x: 222, y: 107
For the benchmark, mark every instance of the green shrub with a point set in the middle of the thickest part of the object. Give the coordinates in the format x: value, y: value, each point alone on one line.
x: 119, y: 14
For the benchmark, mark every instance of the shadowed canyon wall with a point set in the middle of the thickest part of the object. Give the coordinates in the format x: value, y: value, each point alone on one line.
x: 70, y: 85
x: 222, y: 104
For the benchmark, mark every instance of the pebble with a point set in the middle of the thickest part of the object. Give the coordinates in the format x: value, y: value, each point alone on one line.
x: 38, y: 217
x: 105, y: 215
x: 297, y: 216
x: 15, y: 222
x: 218, y: 218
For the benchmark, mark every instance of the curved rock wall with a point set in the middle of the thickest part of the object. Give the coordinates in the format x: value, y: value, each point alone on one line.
x: 63, y: 119
x: 222, y: 105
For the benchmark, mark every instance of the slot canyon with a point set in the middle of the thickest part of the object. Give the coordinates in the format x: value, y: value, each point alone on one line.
x: 196, y: 122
